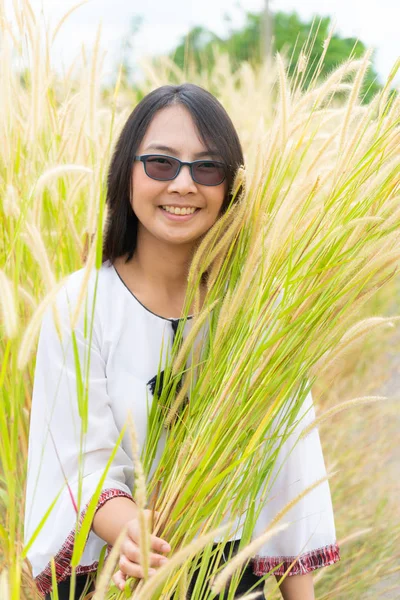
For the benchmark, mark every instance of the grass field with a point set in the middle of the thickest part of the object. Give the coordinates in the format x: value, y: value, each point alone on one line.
x: 57, y: 136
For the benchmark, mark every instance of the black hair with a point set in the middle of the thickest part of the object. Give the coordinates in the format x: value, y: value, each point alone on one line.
x: 216, y: 130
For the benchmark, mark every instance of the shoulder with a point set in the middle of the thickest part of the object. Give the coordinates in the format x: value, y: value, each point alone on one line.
x: 82, y: 296
x: 85, y: 283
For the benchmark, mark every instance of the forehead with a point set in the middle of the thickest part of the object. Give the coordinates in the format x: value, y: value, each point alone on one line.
x: 173, y: 126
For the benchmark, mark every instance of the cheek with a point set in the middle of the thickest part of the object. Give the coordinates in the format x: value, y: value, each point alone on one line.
x: 144, y: 188
x: 138, y: 182
x: 216, y: 200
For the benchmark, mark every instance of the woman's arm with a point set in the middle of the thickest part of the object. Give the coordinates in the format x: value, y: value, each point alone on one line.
x: 297, y: 587
x: 309, y: 542
x: 111, y: 518
x: 71, y: 439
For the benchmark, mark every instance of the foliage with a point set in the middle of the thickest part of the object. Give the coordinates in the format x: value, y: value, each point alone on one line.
x: 290, y: 35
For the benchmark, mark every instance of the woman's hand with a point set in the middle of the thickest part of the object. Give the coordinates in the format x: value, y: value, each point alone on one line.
x: 130, y: 562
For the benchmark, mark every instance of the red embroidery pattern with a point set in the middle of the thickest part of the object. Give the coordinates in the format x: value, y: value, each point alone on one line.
x: 63, y: 557
x: 321, y: 557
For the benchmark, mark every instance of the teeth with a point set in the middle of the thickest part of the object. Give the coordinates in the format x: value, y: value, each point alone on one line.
x: 175, y: 210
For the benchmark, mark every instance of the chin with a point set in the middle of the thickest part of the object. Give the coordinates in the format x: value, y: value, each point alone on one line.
x: 177, y: 239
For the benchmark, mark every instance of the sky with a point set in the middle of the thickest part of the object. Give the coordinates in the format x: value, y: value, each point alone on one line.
x: 164, y: 22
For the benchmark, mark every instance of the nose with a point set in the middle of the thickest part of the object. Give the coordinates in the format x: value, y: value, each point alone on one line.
x: 183, y: 182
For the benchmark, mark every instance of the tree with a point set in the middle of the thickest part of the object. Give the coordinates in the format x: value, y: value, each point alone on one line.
x: 289, y: 36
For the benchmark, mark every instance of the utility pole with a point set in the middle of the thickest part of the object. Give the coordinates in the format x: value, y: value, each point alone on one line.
x: 266, y: 32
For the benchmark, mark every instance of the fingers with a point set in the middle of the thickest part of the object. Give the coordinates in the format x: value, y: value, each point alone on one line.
x: 159, y: 545
x: 132, y: 552
x: 156, y: 560
x: 119, y: 580
x: 131, y: 569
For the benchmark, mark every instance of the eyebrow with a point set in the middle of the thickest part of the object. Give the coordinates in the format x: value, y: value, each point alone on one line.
x: 162, y: 148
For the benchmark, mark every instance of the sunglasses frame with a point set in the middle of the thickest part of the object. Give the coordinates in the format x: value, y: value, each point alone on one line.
x: 143, y: 158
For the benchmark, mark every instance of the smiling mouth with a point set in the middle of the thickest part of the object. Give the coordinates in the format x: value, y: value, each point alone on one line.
x: 178, y: 217
x: 180, y: 210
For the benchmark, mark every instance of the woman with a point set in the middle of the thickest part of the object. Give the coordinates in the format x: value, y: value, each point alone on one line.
x: 169, y: 180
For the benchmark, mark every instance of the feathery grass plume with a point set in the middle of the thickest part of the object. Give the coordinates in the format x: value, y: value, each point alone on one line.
x: 366, y: 325
x: 359, y: 79
x: 324, y: 117
x: 318, y: 68
x: 252, y: 596
x: 393, y: 116
x: 374, y: 268
x: 106, y: 574
x: 302, y: 63
x: 92, y: 88
x: 341, y: 542
x: 32, y: 330
x: 11, y: 202
x: 187, y: 383
x: 284, y: 100
x: 316, y: 96
x: 56, y: 172
x: 354, y: 536
x: 64, y: 18
x: 91, y: 220
x: 226, y: 239
x: 354, y: 223
x: 206, y: 243
x: 26, y: 296
x: 74, y: 234
x: 339, y: 408
x: 232, y: 304
x: 187, y: 345
x: 35, y: 243
x: 351, y: 339
x: 215, y: 271
x: 282, y: 218
x: 84, y: 286
x: 179, y: 557
x: 6, y: 104
x: 7, y: 305
x: 384, y: 104
x: 359, y: 135
x: 239, y: 181
x: 180, y: 398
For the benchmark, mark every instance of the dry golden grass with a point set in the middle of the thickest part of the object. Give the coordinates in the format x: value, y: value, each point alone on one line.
x: 56, y: 137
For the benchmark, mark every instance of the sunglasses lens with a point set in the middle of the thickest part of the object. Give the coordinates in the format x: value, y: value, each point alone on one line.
x: 208, y: 173
x: 161, y: 167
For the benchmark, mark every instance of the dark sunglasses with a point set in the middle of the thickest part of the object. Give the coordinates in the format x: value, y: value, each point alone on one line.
x: 165, y: 168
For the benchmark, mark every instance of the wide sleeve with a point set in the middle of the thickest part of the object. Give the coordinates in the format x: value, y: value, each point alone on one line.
x: 310, y: 539
x: 54, y: 458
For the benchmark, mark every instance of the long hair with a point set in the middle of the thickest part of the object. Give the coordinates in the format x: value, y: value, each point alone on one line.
x: 216, y: 130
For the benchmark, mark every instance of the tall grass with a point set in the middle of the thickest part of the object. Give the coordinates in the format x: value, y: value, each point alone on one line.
x: 321, y: 233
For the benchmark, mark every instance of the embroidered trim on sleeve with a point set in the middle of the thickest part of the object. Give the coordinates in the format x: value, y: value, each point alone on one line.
x: 63, y: 557
x: 321, y: 557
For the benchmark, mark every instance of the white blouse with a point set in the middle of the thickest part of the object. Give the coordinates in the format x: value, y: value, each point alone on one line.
x: 125, y: 351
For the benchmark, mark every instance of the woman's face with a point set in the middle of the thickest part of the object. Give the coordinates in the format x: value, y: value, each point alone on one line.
x: 173, y: 128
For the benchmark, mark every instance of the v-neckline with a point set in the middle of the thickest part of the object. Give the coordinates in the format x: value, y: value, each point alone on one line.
x: 171, y: 319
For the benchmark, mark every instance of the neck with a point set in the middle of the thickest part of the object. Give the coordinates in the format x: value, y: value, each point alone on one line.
x: 162, y: 264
